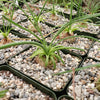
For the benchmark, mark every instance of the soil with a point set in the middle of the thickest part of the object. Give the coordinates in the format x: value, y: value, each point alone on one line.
x: 4, y: 41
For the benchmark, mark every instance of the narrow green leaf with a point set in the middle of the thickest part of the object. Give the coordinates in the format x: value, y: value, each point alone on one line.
x: 47, y: 60
x: 21, y: 43
x: 37, y: 52
x: 2, y: 93
x: 78, y: 19
x: 78, y: 69
x: 54, y: 64
x: 22, y: 28
x: 60, y: 48
x: 58, y: 57
x: 69, y: 37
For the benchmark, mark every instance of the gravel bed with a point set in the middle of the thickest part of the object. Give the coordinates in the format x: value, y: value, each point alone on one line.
x: 60, y: 19
x: 79, y: 42
x: 57, y: 7
x: 6, y: 53
x: 18, y: 16
x: 45, y: 75
x: 18, y: 89
x: 95, y: 51
x: 82, y: 43
x: 91, y: 28
x: 85, y: 83
x: 45, y: 29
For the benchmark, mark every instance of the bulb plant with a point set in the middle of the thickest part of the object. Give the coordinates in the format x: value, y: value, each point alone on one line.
x: 4, y: 36
x: 48, y: 52
x: 3, y: 8
x: 35, y: 19
x: 53, y: 12
x: 6, y: 27
x: 4, y: 32
x: 31, y: 26
x: 69, y: 31
x: 92, y: 6
x: 8, y: 8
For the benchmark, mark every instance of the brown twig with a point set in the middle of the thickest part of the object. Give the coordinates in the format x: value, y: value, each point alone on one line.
x: 74, y: 84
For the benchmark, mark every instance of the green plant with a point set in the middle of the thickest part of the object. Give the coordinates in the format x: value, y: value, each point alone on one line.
x: 44, y: 50
x: 79, y: 69
x: 92, y: 6
x: 68, y: 31
x: 66, y: 5
x: 3, y: 8
x: 53, y: 11
x: 34, y: 18
x: 0, y: 84
x: 78, y: 5
x: 8, y: 12
x: 4, y: 32
x: 57, y: 1
x: 7, y: 8
x: 49, y: 51
x: 97, y: 84
x: 2, y: 93
x: 31, y: 26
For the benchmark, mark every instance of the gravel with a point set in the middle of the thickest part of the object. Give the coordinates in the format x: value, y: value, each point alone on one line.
x: 59, y: 21
x: 79, y: 42
x: 57, y: 7
x: 18, y: 89
x: 45, y: 29
x: 85, y: 83
x: 45, y: 75
x: 6, y: 53
x: 95, y: 51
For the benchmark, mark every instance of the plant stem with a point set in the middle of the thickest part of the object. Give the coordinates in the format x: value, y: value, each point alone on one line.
x: 74, y: 83
x: 42, y: 8
x: 53, y: 9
